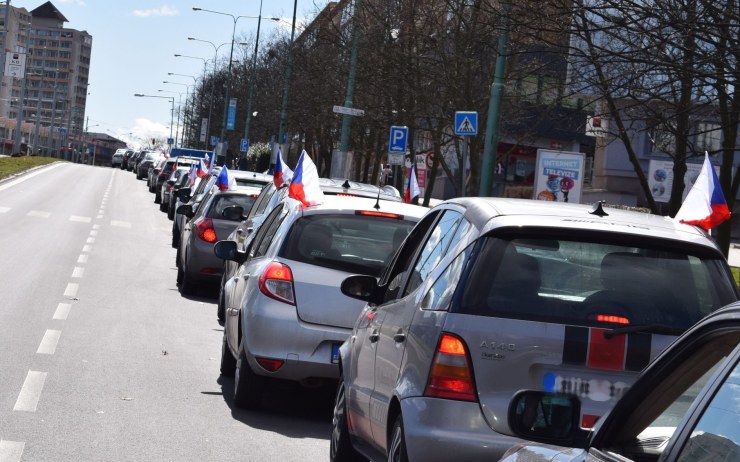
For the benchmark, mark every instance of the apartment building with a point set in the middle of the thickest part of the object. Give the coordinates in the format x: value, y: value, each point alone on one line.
x: 51, y: 97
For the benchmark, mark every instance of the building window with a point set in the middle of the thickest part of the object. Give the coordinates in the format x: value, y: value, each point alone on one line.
x: 708, y: 137
x: 662, y: 141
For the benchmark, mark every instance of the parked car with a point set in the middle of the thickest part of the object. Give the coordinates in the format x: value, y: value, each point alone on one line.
x: 285, y: 314
x: 270, y: 197
x: 488, y: 296
x: 147, y: 161
x: 205, y: 226
x: 684, y: 407
x: 180, y: 174
x: 117, y: 158
x: 169, y: 166
x: 126, y: 156
x: 131, y: 163
x: 151, y: 178
x: 182, y: 182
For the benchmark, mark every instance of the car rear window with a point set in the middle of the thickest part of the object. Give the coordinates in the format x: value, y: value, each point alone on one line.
x: 221, y: 201
x: 593, y: 282
x: 248, y: 182
x: 352, y: 243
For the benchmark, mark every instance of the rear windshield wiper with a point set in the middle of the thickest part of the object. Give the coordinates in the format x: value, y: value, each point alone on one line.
x: 657, y: 328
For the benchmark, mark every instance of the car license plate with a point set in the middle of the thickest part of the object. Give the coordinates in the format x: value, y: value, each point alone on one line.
x: 335, y: 353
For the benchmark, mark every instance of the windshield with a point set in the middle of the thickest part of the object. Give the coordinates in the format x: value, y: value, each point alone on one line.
x: 221, y: 201
x: 352, y: 243
x: 589, y: 281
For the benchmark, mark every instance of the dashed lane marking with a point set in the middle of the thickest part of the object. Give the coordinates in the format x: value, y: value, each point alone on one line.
x: 4, y: 210
x: 30, y: 394
x: 11, y: 451
x: 96, y: 226
x: 82, y: 258
x: 62, y: 311
x: 71, y: 290
x: 49, y: 343
x: 86, y: 248
x: 90, y: 240
x: 38, y: 213
x: 78, y: 272
x: 120, y: 224
x: 93, y: 233
x: 80, y: 219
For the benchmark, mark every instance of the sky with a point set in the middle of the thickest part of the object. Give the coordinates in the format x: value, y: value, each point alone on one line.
x: 134, y: 43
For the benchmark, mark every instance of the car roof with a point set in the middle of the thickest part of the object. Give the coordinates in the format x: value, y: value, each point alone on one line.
x: 488, y: 213
x: 242, y: 174
x: 344, y: 203
x: 344, y: 186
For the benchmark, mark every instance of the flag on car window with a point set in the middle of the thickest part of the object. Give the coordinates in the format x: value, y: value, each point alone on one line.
x: 212, y: 161
x: 705, y: 205
x: 192, y: 175
x: 224, y: 181
x: 304, y: 187
x: 283, y: 174
x: 412, y: 187
x: 201, y: 169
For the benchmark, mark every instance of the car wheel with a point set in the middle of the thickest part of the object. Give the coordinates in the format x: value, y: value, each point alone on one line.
x: 162, y: 206
x: 248, y: 386
x: 341, y: 449
x: 228, y: 362
x: 187, y: 286
x: 397, y: 448
x: 175, y: 239
x: 157, y: 197
x: 171, y: 212
x: 221, y: 309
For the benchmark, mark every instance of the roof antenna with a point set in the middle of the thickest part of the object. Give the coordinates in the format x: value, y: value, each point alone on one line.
x: 380, y: 178
x: 346, y: 184
x: 598, y: 210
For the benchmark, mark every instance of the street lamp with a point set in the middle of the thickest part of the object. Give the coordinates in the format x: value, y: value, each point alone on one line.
x: 179, y: 104
x: 187, y: 95
x: 187, y: 128
x: 231, y: 54
x: 172, y: 101
x: 210, y: 103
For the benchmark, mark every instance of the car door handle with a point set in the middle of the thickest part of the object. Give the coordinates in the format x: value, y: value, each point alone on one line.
x: 250, y: 229
x: 374, y: 336
x: 239, y: 231
x: 399, y: 337
x: 245, y: 276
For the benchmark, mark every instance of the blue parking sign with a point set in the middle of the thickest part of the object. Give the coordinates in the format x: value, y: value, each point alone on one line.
x: 244, y: 145
x: 398, y: 140
x: 214, y: 140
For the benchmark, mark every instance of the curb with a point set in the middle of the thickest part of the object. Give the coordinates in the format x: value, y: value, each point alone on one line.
x: 16, y: 175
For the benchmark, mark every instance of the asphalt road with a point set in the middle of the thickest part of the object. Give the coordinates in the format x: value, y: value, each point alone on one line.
x: 101, y: 358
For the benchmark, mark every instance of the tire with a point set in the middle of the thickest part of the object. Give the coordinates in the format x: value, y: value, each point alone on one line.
x: 171, y: 212
x: 221, y: 308
x: 340, y: 446
x: 187, y: 286
x: 248, y: 386
x: 397, y: 447
x: 163, y: 206
x: 157, y: 197
x: 228, y: 362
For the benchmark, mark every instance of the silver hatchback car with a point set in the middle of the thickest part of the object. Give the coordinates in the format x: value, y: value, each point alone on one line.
x: 285, y: 314
x: 490, y: 296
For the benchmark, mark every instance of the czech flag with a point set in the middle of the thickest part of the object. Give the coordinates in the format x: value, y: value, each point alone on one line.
x: 412, y: 187
x: 304, y: 187
x: 705, y: 205
x: 212, y: 161
x: 223, y: 181
x: 283, y: 174
x: 192, y: 174
x: 201, y: 169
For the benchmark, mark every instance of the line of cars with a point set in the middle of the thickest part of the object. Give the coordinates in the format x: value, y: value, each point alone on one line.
x: 457, y: 331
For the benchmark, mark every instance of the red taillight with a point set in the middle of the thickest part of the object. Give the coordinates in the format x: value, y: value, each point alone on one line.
x: 204, y: 229
x: 276, y: 282
x: 372, y: 213
x: 174, y: 167
x: 611, y: 319
x: 270, y: 365
x: 451, y: 375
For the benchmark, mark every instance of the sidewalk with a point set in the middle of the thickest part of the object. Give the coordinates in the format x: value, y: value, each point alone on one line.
x: 734, y: 255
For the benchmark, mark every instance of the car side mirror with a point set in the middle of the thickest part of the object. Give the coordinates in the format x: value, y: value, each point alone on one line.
x: 186, y: 210
x: 226, y: 250
x: 361, y: 287
x: 184, y: 194
x: 233, y: 213
x: 549, y: 418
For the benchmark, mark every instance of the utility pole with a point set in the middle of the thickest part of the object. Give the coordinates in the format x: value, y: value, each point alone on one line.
x: 286, y: 91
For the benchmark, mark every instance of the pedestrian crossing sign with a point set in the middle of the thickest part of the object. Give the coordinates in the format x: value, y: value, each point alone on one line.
x: 466, y: 123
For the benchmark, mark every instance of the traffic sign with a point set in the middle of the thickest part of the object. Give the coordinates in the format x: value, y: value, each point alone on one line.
x: 244, y: 145
x: 63, y: 131
x: 348, y: 110
x: 15, y: 64
x: 398, y: 140
x: 466, y: 123
x: 214, y: 140
x: 170, y: 141
x: 395, y: 159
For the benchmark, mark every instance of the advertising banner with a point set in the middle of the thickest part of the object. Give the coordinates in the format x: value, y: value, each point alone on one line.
x: 558, y: 176
x: 203, y: 129
x: 231, y: 115
x: 660, y: 178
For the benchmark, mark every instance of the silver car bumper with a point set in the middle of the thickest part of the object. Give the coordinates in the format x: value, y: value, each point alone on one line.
x: 443, y: 429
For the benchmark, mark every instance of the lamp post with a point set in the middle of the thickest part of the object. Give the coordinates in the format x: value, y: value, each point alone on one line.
x: 187, y: 127
x: 187, y: 95
x: 286, y: 90
x: 213, y: 83
x: 203, y: 133
x: 172, y: 101
x: 179, y: 102
x: 85, y: 137
x: 231, y: 54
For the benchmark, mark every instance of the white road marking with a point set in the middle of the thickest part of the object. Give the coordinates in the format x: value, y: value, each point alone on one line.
x: 86, y: 248
x: 96, y: 226
x: 49, y: 343
x: 71, y: 290
x: 120, y: 224
x: 11, y: 451
x: 100, y: 212
x: 4, y: 210
x: 78, y: 272
x: 90, y: 240
x: 93, y: 233
x: 80, y: 219
x: 99, y: 216
x: 62, y: 311
x: 38, y: 213
x: 82, y: 258
x: 30, y: 392
x: 23, y: 178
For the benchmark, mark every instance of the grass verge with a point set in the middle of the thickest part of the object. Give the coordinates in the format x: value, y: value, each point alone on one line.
x: 10, y: 166
x: 736, y: 274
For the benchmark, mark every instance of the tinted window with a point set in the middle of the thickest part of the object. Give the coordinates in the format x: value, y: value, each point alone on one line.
x: 220, y: 202
x: 262, y: 200
x: 590, y: 281
x: 434, y: 248
x: 263, y: 239
x: 440, y: 294
x: 353, y: 243
x: 249, y: 182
